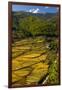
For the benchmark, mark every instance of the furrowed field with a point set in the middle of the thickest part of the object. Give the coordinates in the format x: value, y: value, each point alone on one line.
x: 30, y: 62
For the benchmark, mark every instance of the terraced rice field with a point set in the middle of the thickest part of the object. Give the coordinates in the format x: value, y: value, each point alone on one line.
x: 29, y: 62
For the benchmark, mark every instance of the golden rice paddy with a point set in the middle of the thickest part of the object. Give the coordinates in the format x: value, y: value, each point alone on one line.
x: 28, y: 62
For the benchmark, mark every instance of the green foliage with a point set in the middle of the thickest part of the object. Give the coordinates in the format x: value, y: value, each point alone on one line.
x: 53, y: 68
x: 53, y: 45
x: 36, y: 27
x: 30, y: 25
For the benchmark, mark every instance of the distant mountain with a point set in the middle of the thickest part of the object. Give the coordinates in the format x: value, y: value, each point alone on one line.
x: 22, y: 14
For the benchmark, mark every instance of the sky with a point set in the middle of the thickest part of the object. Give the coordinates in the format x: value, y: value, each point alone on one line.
x: 35, y: 9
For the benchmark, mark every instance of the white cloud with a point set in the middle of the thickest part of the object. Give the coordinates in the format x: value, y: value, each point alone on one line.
x: 31, y: 10
x: 34, y: 10
x: 46, y: 7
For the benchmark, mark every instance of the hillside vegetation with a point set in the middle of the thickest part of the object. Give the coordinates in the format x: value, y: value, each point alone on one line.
x: 35, y: 56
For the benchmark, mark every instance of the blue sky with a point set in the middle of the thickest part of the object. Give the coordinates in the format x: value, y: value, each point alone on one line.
x: 35, y: 9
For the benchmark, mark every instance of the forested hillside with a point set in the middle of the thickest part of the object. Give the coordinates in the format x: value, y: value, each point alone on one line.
x: 30, y: 25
